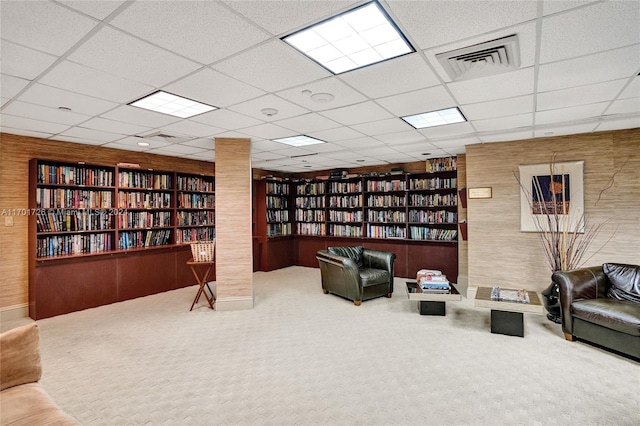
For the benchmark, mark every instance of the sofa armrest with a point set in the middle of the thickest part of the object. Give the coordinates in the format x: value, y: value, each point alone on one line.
x: 20, y: 356
x: 583, y: 283
x: 380, y: 260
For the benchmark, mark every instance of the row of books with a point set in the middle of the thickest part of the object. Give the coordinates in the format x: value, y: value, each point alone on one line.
x: 386, y: 185
x: 433, y: 183
x: 275, y: 229
x: 65, y: 245
x: 194, y: 183
x: 433, y: 200
x: 277, y: 215
x: 315, y: 188
x: 345, y: 216
x: 144, y: 220
x: 144, y: 180
x: 309, y: 202
x: 310, y: 216
x: 375, y: 231
x: 386, y: 201
x: 345, y: 187
x: 345, y: 231
x: 196, y: 218
x: 275, y: 202
x: 48, y: 198
x: 386, y: 216
x: 196, y: 201
x: 424, y: 233
x: 195, y: 234
x: 433, y: 216
x: 136, y: 239
x: 277, y: 188
x: 442, y: 164
x: 69, y: 220
x: 74, y: 175
x: 310, y: 228
x: 144, y: 200
x: 346, y: 201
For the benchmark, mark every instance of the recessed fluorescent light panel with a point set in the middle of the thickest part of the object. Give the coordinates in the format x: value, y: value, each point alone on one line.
x: 299, y: 140
x: 435, y: 118
x: 354, y: 39
x: 168, y: 103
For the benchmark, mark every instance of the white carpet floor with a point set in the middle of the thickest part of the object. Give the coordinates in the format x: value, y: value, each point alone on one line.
x: 304, y: 358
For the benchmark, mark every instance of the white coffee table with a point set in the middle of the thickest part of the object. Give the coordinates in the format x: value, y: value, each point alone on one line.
x: 432, y: 303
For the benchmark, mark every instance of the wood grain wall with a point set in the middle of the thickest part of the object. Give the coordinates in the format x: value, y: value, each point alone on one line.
x: 499, y: 253
x: 234, y: 251
x: 15, y: 153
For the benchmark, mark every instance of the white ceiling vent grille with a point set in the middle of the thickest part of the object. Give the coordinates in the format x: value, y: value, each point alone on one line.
x: 166, y: 137
x: 480, y: 60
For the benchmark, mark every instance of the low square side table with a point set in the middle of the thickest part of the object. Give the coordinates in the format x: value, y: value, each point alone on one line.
x: 432, y: 303
x: 507, y: 317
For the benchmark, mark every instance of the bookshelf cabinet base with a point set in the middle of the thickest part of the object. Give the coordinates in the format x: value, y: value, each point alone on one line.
x: 63, y: 286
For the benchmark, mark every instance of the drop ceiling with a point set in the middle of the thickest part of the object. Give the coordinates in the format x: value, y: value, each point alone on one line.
x: 578, y: 73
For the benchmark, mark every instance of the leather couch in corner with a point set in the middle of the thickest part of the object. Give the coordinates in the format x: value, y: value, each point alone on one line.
x: 601, y: 305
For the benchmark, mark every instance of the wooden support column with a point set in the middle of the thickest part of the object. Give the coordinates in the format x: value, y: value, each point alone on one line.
x: 234, y: 250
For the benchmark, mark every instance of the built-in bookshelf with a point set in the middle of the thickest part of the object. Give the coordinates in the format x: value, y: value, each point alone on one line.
x: 277, y: 206
x: 310, y: 207
x: 196, y: 203
x: 386, y: 207
x: 344, y: 208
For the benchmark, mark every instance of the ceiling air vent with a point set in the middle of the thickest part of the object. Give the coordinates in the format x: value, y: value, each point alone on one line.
x: 166, y: 137
x: 480, y: 60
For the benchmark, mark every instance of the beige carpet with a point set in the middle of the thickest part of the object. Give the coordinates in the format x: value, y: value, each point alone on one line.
x: 304, y: 358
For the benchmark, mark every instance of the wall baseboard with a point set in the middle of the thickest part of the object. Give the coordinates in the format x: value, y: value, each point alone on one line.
x: 234, y: 303
x: 14, y: 312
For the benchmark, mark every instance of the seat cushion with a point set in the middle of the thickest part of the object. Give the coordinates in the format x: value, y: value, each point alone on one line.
x: 370, y: 276
x: 352, y: 252
x: 625, y: 281
x: 615, y: 314
x: 30, y: 405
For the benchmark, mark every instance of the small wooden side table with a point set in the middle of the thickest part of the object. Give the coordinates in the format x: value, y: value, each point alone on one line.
x: 197, y: 268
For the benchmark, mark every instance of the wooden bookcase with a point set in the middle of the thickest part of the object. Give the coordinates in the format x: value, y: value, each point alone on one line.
x: 100, y: 234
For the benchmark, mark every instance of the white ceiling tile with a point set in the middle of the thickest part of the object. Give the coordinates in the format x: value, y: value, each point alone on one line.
x: 449, y: 21
x: 447, y: 130
x: 399, y: 75
x: 502, y: 123
x: 381, y: 127
x: 140, y: 116
x: 268, y: 131
x: 280, y: 16
x: 97, y: 8
x: 80, y: 79
x: 292, y: 151
x: 11, y: 86
x: 359, y: 143
x: 280, y: 67
x: 205, y: 31
x: 624, y: 106
x: 565, y: 129
x: 579, y: 95
x: 3, y: 101
x: 133, y: 141
x: 226, y: 119
x: 117, y: 53
x: 99, y: 123
x: 618, y: 124
x: 268, y: 155
x: 23, y: 132
x: 77, y: 140
x: 343, y: 94
x: 98, y: 136
x: 338, y: 134
x: 38, y: 112
x: 23, y: 62
x: 209, y: 156
x: 554, y: 6
x: 401, y: 138
x: 619, y: 63
x: 192, y: 128
x: 116, y: 145
x: 265, y: 145
x: 376, y: 152
x: 419, y: 148
x: 52, y: 97
x: 324, y: 147
x: 400, y: 157
x: 356, y: 114
x: 632, y: 90
x: 506, y: 136
x: 570, y: 114
x: 254, y: 107
x: 204, y: 143
x: 425, y: 100
x: 501, y: 86
x: 499, y: 108
x: 458, y: 150
x: 213, y: 88
x: 455, y: 142
x: 527, y: 44
x: 587, y: 32
x: 41, y: 25
x: 177, y: 148
x: 307, y: 123
x: 8, y: 122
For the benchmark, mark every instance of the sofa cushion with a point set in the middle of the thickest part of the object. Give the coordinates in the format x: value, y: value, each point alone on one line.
x: 625, y: 281
x: 353, y: 252
x: 371, y: 276
x: 619, y: 315
x: 20, y: 356
x: 30, y: 405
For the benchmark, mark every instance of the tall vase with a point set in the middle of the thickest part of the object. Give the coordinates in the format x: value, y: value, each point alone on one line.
x: 551, y: 301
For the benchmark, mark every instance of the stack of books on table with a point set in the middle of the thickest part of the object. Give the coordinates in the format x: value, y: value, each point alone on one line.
x: 433, y: 281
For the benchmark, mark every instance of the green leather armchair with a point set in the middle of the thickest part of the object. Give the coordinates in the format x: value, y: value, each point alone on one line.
x: 356, y: 273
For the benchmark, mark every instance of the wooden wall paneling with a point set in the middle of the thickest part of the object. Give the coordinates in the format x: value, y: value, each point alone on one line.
x: 400, y: 248
x: 279, y: 253
x: 88, y: 283
x: 305, y: 249
x: 234, y: 250
x: 142, y: 273
x: 442, y: 257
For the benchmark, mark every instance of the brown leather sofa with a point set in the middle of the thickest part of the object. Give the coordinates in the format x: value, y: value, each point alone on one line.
x: 601, y: 305
x: 356, y: 273
x: 22, y: 400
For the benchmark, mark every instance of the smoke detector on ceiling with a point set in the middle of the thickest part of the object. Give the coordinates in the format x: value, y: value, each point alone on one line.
x: 480, y: 60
